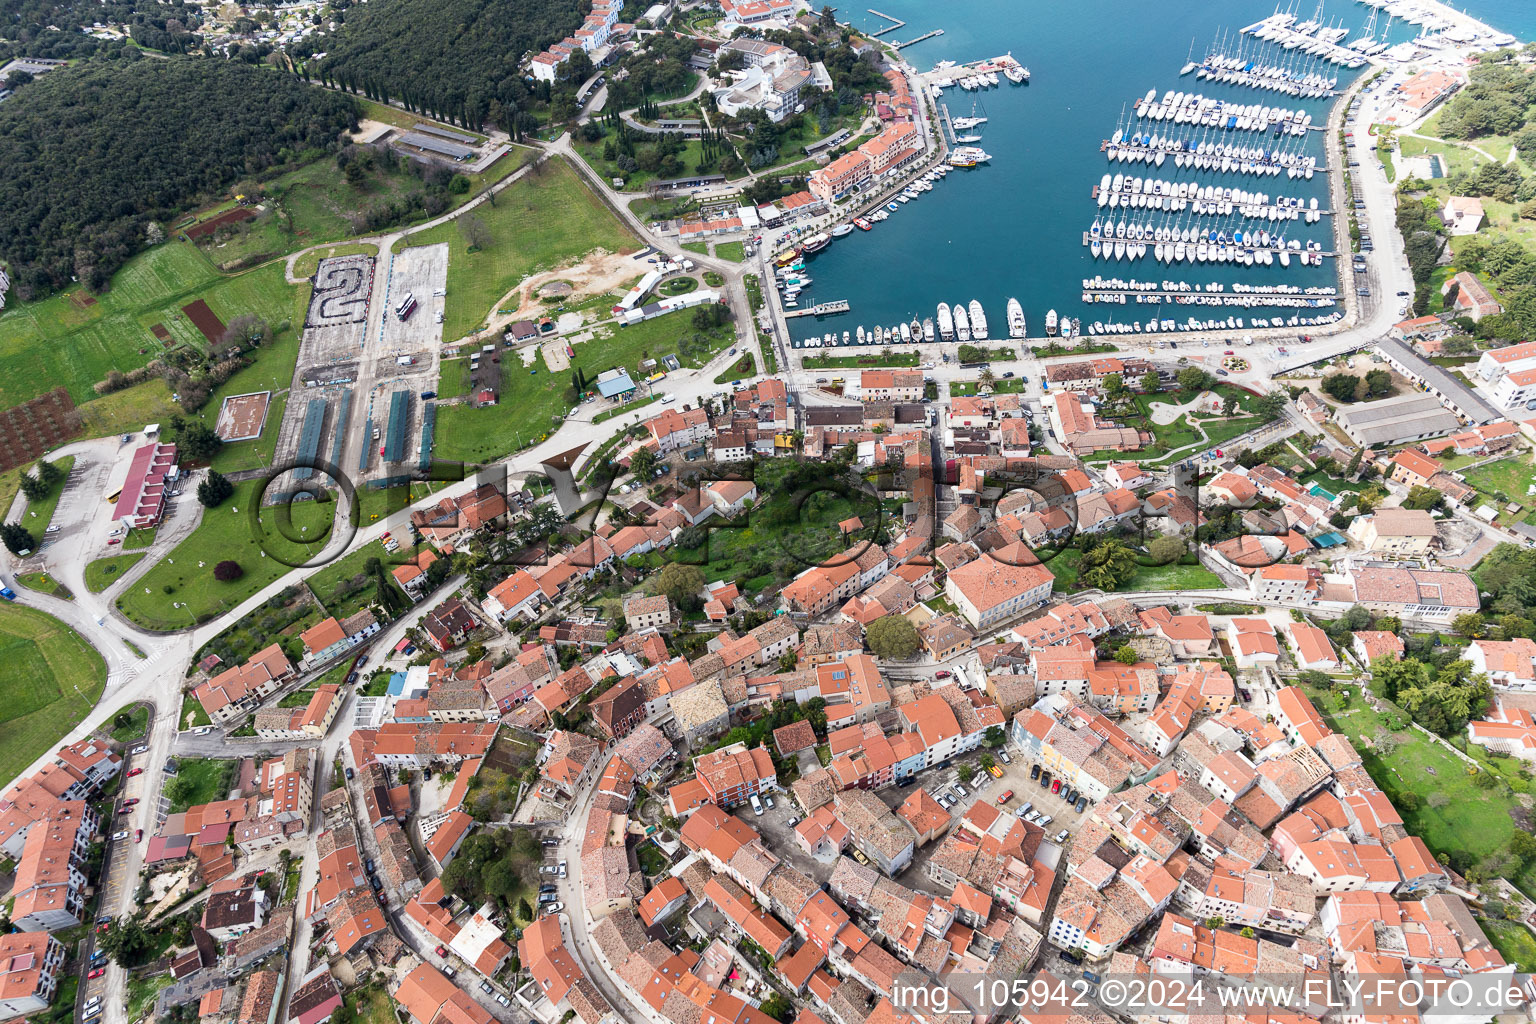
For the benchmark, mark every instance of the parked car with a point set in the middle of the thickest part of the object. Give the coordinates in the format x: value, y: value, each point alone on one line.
x: 1045, y: 779
x: 130, y: 801
x: 448, y: 972
x: 942, y: 673
x: 142, y: 748
x: 1082, y: 804
x: 1003, y: 755
x: 551, y: 841
x: 98, y: 972
x: 1061, y: 836
x: 135, y: 771
x: 350, y: 773
x: 768, y: 800
x: 548, y: 869
x: 1034, y: 772
x: 1056, y: 786
x: 1004, y: 797
x: 502, y: 999
x: 485, y: 987
x: 441, y: 951
x: 562, y: 869
x: 138, y: 835
x: 118, y: 836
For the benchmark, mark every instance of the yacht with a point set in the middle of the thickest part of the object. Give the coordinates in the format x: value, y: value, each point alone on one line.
x: 860, y: 334
x: 946, y: 324
x: 1016, y: 327
x: 905, y: 332
x: 968, y: 156
x: 966, y: 140
x: 962, y: 323
x: 978, y: 321
x: 928, y: 329
x: 815, y: 243
x: 1050, y: 323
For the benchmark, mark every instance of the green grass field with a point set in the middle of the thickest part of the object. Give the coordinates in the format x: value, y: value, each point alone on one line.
x: 271, y: 371
x: 128, y: 410
x: 44, y: 583
x: 199, y: 780
x: 540, y: 222
x: 733, y: 251
x: 323, y: 584
x: 742, y: 367
x: 1176, y: 576
x: 861, y: 362
x: 136, y: 725
x: 103, y: 572
x: 1470, y: 820
x: 52, y: 680
x: 73, y: 339
x: 531, y: 402
x: 313, y: 203
x: 1514, y: 942
x: 262, y: 551
x: 1509, y: 476
x: 40, y: 513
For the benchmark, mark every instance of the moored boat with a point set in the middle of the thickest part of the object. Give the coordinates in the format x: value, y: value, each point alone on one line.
x: 1016, y: 326
x: 962, y: 323
x: 861, y: 224
x: 928, y: 328
x: 1051, y: 325
x: 815, y: 243
x: 842, y: 230
x: 978, y: 321
x: 946, y: 323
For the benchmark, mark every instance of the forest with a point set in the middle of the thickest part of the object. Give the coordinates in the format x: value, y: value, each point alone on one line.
x: 101, y: 155
x: 42, y: 28
x: 452, y: 59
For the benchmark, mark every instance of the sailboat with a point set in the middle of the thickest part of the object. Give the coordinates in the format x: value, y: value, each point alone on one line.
x: 973, y: 119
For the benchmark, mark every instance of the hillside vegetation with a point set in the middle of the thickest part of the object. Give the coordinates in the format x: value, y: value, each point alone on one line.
x: 455, y: 59
x: 97, y: 152
x: 42, y: 28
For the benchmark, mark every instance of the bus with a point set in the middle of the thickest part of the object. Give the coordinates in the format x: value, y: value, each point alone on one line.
x: 406, y: 308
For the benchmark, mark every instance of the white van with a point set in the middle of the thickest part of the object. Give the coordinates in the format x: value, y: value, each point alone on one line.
x: 757, y: 806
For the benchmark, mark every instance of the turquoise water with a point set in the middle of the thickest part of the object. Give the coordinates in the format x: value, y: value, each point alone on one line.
x: 1319, y: 491
x: 1014, y: 227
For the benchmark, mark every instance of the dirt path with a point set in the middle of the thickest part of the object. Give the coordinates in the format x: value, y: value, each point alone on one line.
x: 1164, y: 413
x: 600, y: 272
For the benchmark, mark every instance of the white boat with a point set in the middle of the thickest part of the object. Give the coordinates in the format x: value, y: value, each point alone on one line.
x: 906, y: 334
x: 968, y: 156
x: 967, y: 139
x: 946, y: 324
x: 968, y: 122
x: 978, y: 321
x: 962, y: 323
x: 927, y: 328
x: 860, y: 334
x: 1016, y: 326
x: 1051, y: 323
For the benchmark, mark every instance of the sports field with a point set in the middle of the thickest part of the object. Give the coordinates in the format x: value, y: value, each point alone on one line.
x: 74, y: 338
x: 52, y: 680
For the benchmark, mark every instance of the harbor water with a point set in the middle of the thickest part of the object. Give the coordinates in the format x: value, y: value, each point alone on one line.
x: 1015, y: 227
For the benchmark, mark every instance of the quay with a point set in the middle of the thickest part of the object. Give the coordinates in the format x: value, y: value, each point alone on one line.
x: 925, y: 35
x: 820, y: 309
x: 1125, y: 191
x: 895, y: 23
x: 1148, y: 242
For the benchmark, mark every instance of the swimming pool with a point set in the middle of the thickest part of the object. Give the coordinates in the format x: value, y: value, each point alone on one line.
x: 1319, y: 491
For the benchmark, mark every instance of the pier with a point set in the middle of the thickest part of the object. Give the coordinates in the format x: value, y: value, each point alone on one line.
x: 1213, y: 298
x: 1235, y: 246
x: 820, y: 309
x: 925, y: 35
x: 1240, y: 164
x: 895, y: 23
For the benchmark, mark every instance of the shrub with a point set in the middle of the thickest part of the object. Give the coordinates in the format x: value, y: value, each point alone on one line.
x: 228, y: 570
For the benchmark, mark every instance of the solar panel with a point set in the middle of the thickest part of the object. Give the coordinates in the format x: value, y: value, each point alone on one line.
x: 342, y: 411
x: 432, y: 145
x: 309, y: 438
x: 444, y: 133
x: 399, y: 419
x: 428, y: 425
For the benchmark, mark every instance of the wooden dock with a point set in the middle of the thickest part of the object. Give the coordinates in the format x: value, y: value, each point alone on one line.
x: 1149, y: 243
x: 821, y: 309
x: 1157, y: 209
x: 925, y: 35
x: 1105, y: 144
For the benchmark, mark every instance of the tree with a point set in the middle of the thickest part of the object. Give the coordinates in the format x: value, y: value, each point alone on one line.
x: 642, y: 463
x: 1163, y: 550
x: 1107, y: 565
x: 1471, y: 625
x: 1341, y: 386
x: 126, y: 942
x: 828, y: 19
x: 1126, y: 655
x: 987, y: 378
x: 476, y: 235
x: 994, y: 736
x: 228, y: 571
x: 48, y: 472
x: 893, y: 638
x: 1422, y: 497
x: 1151, y: 383
x: 1271, y: 405
x: 680, y: 583
x: 32, y: 487
x: 1114, y: 387
x: 214, y: 490
x: 1378, y: 383
x: 1228, y: 405
x: 1192, y: 378
x: 987, y: 762
x: 17, y: 539
x: 196, y: 439
x: 776, y: 1006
